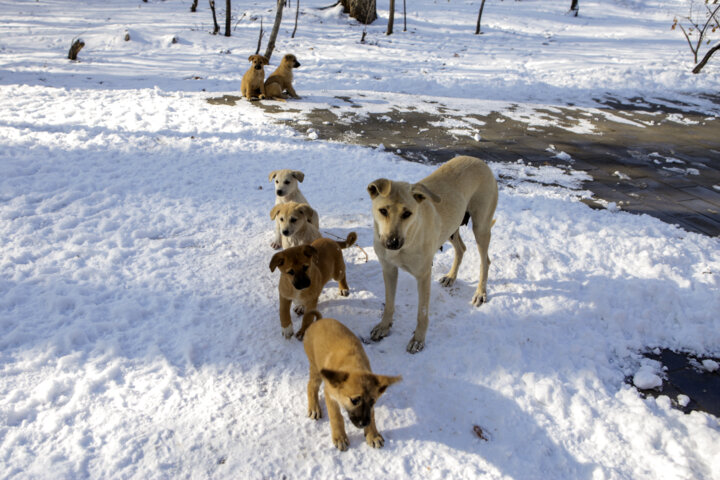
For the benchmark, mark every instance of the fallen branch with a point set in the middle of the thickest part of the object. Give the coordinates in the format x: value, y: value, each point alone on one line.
x: 705, y: 59
x: 75, y: 48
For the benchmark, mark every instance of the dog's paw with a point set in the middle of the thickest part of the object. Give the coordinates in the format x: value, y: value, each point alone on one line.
x: 299, y: 309
x: 447, y: 281
x: 300, y: 334
x: 375, y: 440
x: 314, y: 412
x: 341, y: 442
x: 415, y: 345
x: 478, y: 299
x: 287, y: 332
x: 344, y: 292
x: 379, y: 332
x: 275, y: 245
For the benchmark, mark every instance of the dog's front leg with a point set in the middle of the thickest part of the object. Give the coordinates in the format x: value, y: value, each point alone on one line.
x: 337, y: 424
x: 372, y: 436
x: 277, y: 242
x: 314, y: 411
x: 292, y: 92
x: 417, y: 342
x: 390, y: 276
x: 285, y: 320
x: 307, y: 318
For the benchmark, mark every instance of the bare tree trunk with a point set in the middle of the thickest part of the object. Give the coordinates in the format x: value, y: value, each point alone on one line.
x: 363, y: 11
x: 574, y: 7
x: 477, y: 27
x: 705, y: 59
x: 404, y: 16
x: 276, y: 28
x: 193, y: 7
x: 216, y: 28
x: 391, y: 18
x: 260, y: 35
x: 75, y: 48
x: 297, y: 13
x: 228, y: 12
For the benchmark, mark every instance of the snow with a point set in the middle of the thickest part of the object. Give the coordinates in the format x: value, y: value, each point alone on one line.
x: 139, y: 334
x: 647, y: 378
x: 710, y: 365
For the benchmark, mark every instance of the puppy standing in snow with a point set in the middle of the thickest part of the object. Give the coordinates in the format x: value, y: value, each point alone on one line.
x: 412, y: 221
x: 337, y: 357
x: 287, y: 190
x: 281, y: 79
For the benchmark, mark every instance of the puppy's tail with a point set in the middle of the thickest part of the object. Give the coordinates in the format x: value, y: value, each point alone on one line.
x: 313, y: 315
x: 349, y: 241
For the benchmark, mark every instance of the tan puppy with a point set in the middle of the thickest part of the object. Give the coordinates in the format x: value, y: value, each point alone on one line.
x: 337, y: 357
x: 304, y: 272
x: 411, y: 222
x: 281, y: 79
x: 253, y: 82
x: 298, y: 223
x: 287, y: 190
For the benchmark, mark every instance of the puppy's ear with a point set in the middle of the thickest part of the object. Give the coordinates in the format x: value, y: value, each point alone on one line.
x: 381, y: 186
x: 309, y: 251
x: 300, y: 176
x: 334, y: 377
x: 420, y: 192
x: 276, y: 261
x: 265, y: 60
x: 306, y: 210
x: 250, y: 58
x: 275, y: 210
x: 384, y: 381
x: 272, y: 175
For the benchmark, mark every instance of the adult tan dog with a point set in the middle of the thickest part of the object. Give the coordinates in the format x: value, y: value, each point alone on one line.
x: 412, y: 221
x: 253, y: 82
x: 281, y: 79
x: 298, y: 223
x: 304, y: 272
x: 337, y: 357
x: 287, y: 190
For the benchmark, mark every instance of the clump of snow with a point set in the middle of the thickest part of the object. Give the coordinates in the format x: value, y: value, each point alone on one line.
x: 683, y: 400
x: 710, y: 365
x: 647, y: 378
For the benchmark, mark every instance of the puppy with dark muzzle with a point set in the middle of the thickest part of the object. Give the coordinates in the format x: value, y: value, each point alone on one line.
x: 304, y: 272
x: 253, y: 82
x: 337, y: 357
x: 281, y: 80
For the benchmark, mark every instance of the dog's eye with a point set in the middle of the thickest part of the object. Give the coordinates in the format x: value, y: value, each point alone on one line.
x: 286, y: 182
x: 282, y: 219
x: 406, y: 214
x: 293, y: 220
x: 291, y: 272
x: 277, y: 181
x: 355, y: 401
x: 383, y: 212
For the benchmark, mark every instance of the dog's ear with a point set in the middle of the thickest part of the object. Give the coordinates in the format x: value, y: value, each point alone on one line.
x: 306, y: 210
x: 250, y: 58
x: 265, y: 60
x: 276, y: 261
x: 420, y: 192
x: 275, y: 210
x: 272, y: 175
x: 381, y: 186
x: 300, y: 176
x: 309, y: 251
x: 384, y: 381
x: 334, y: 377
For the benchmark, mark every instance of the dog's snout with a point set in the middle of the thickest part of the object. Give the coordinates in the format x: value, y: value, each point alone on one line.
x: 297, y: 64
x: 280, y: 193
x: 301, y: 282
x: 286, y: 232
x: 394, y: 243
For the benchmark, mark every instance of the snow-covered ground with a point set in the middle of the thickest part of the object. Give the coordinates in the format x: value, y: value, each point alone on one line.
x: 138, y: 317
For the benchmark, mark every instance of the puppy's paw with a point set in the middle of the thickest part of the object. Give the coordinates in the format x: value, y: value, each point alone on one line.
x: 341, y: 442
x: 379, y: 332
x: 287, y: 332
x: 314, y: 412
x: 299, y: 309
x: 300, y: 334
x: 447, y: 281
x: 478, y: 299
x: 375, y: 440
x: 344, y: 292
x: 276, y: 245
x: 415, y: 345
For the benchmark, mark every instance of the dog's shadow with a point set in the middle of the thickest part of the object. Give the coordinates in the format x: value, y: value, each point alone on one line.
x: 481, y: 422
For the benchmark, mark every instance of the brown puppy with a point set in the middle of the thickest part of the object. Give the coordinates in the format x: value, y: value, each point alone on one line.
x: 287, y: 190
x: 281, y: 79
x: 252, y: 84
x: 337, y: 357
x: 304, y: 272
x: 298, y: 223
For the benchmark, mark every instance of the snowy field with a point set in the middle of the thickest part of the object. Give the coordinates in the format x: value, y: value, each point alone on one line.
x: 139, y: 333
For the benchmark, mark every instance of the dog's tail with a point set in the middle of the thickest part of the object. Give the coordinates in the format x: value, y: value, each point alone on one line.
x: 313, y: 315
x: 349, y: 241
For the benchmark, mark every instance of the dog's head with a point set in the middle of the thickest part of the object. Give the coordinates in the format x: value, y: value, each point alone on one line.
x: 258, y: 61
x: 394, y: 205
x: 357, y: 392
x: 291, y: 216
x: 286, y: 181
x: 290, y: 61
x: 295, y: 262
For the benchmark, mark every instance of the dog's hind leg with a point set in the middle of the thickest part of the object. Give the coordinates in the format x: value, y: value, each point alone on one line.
x: 313, y: 387
x: 459, y: 247
x: 482, y: 237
